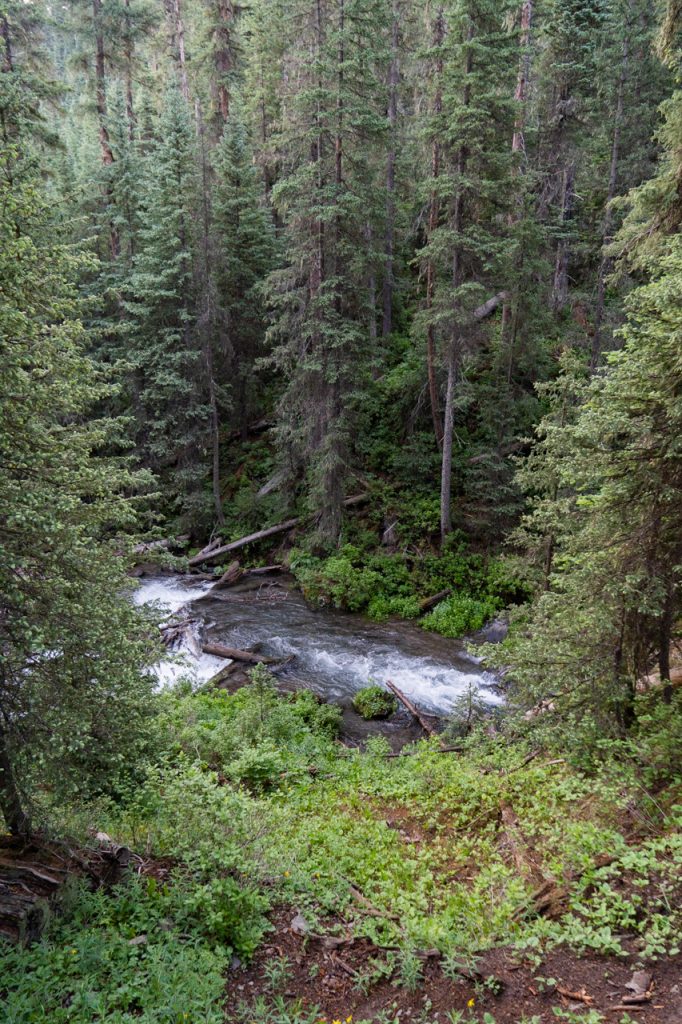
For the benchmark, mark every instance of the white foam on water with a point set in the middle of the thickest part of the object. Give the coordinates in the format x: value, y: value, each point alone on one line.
x: 334, y: 655
x: 171, y: 595
x: 431, y: 684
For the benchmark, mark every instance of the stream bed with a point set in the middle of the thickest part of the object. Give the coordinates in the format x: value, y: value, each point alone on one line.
x: 336, y: 653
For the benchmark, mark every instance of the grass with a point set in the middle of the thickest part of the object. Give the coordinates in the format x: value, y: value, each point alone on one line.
x: 425, y: 839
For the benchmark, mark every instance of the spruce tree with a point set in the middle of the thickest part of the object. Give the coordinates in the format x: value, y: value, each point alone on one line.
x: 466, y: 255
x: 169, y: 378
x: 73, y: 697
x: 334, y: 120
x: 244, y: 248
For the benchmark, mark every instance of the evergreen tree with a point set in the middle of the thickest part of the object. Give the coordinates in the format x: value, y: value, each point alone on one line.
x: 170, y: 386
x: 244, y: 245
x: 467, y: 253
x: 73, y: 699
x: 333, y: 121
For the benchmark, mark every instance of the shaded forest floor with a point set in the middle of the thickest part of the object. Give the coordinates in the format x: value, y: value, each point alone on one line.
x: 321, y: 984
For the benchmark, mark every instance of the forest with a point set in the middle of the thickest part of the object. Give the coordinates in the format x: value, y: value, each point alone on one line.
x: 340, y: 511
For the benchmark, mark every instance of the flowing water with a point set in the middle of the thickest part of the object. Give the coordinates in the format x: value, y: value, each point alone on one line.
x: 336, y: 653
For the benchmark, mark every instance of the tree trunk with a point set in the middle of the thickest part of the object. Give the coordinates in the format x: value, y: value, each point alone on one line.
x: 209, y: 319
x: 560, y: 283
x: 448, y: 430
x: 11, y: 806
x: 329, y: 527
x: 518, y: 147
x: 389, y: 270
x: 128, y: 51
x: 224, y: 56
x: 101, y: 107
x: 605, y: 264
x: 455, y: 346
x: 177, y: 43
x: 664, y: 639
x: 434, y: 215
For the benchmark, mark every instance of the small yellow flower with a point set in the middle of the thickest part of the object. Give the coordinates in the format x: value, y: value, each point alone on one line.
x: 336, y: 1022
x: 286, y: 874
x: 349, y: 1019
x: 471, y: 1003
x: 73, y: 951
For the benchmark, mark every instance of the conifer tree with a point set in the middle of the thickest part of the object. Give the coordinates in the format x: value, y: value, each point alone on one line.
x: 609, y: 517
x: 73, y: 697
x: 244, y: 246
x: 466, y: 249
x: 170, y: 388
x: 335, y: 117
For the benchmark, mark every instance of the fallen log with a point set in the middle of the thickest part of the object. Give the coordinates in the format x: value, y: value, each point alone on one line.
x: 234, y: 654
x: 430, y: 602
x: 412, y: 708
x: 219, y: 678
x: 211, y: 546
x: 270, y: 531
x: 234, y: 545
x: 167, y: 544
x: 232, y: 574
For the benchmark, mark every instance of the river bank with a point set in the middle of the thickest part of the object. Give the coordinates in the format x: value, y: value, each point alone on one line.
x: 333, y: 653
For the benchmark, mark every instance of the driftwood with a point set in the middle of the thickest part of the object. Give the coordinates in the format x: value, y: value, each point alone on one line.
x: 245, y: 657
x: 32, y: 873
x: 412, y: 708
x: 270, y: 531
x: 234, y: 654
x: 430, y: 602
x: 225, y: 549
x: 232, y: 574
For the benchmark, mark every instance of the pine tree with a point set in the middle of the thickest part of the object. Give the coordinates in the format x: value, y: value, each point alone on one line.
x: 466, y: 255
x: 244, y: 245
x: 610, y: 514
x: 170, y: 387
x: 337, y: 114
x: 73, y: 698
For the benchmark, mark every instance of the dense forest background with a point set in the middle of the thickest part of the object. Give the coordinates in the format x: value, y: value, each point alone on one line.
x: 371, y: 227
x: 407, y: 272
x: 386, y: 294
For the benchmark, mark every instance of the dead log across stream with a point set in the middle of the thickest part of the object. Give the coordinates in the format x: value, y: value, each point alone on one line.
x: 234, y: 574
x: 430, y: 602
x: 234, y: 654
x: 270, y: 531
x: 412, y: 708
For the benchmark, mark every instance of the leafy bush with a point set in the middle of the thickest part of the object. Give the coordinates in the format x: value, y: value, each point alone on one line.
x: 135, y: 953
x: 382, y: 608
x: 374, y: 702
x: 253, y: 735
x: 458, y: 615
x: 382, y: 585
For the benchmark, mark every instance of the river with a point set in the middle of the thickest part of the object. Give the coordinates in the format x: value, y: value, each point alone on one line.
x: 336, y: 653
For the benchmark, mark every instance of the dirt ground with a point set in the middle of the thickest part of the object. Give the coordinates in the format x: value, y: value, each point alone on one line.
x: 337, y: 981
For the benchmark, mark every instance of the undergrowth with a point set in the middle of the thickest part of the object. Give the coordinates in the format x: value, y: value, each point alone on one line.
x: 256, y: 804
x: 357, y: 578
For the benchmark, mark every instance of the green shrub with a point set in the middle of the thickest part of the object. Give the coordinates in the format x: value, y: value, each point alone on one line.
x: 381, y: 608
x: 260, y: 767
x: 134, y: 953
x: 458, y: 615
x: 374, y: 702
